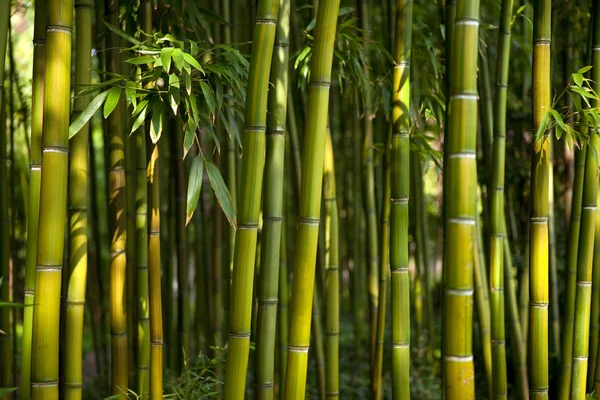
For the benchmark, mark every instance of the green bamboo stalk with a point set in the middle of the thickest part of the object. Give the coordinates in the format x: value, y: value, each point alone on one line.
x: 141, y: 200
x: 5, y: 337
x: 383, y: 276
x: 317, y: 340
x: 154, y: 288
x: 310, y: 199
x: 230, y: 172
x: 332, y: 294
x: 595, y: 311
x: 461, y: 207
x: 53, y: 200
x: 78, y: 210
x: 400, y: 189
x: 538, y: 225
x: 35, y: 175
x: 268, y: 281
x: 183, y: 295
x: 553, y: 277
x: 253, y: 143
x: 496, y: 190
x: 482, y: 302
x: 282, y: 308
x: 117, y: 207
x: 587, y: 231
x: 517, y: 342
x: 368, y: 177
x: 524, y: 295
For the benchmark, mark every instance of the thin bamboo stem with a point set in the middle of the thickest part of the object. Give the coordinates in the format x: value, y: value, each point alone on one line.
x: 253, y: 143
x: 35, y: 174
x: 78, y: 211
x: 310, y: 199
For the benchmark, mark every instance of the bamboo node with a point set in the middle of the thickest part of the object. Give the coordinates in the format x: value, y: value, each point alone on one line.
x: 541, y: 390
x: 44, y: 384
x: 467, y: 21
x: 248, y: 226
x: 400, y: 200
x: 324, y: 84
x: 298, y: 349
x: 584, y: 284
x: 55, y: 149
x: 538, y: 220
x: 75, y: 302
x: 542, y: 42
x: 589, y: 207
x: 39, y: 42
x: 49, y: 268
x: 266, y: 21
x: 59, y: 28
x: 464, y: 96
x: 463, y: 154
x: 268, y: 302
x: 240, y: 335
x: 255, y: 128
x: 461, y: 220
x: 403, y: 64
x: 275, y: 131
x: 538, y: 305
x: 458, y: 292
x: 403, y: 345
x: 468, y: 358
x: 282, y: 44
x: 273, y: 219
x: 29, y: 292
x: 307, y: 221
x: 498, y: 342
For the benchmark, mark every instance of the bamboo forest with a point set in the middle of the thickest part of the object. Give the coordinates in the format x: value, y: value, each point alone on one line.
x: 299, y: 199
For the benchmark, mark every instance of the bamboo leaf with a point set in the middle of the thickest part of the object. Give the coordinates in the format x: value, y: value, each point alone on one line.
x: 221, y: 192
x: 178, y: 58
x: 194, y: 187
x: 301, y: 56
x: 111, y: 101
x: 130, y: 93
x: 122, y: 34
x: 156, y: 125
x: 584, y: 69
x: 208, y: 95
x: 578, y: 79
x: 193, y: 62
x: 542, y: 128
x: 190, y: 134
x: 174, y: 92
x: 140, y: 60
x: 165, y: 57
x: 140, y: 118
x: 86, y: 114
x: 94, y: 88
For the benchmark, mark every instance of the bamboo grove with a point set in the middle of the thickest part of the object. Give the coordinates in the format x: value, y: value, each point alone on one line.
x: 332, y: 199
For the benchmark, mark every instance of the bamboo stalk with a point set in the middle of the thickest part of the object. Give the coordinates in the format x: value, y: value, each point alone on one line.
x: 35, y: 174
x: 383, y: 275
x: 78, y: 211
x: 400, y: 189
x: 595, y: 310
x: 5, y: 335
x: 461, y: 207
x: 253, y: 143
x: 519, y: 348
x: 310, y: 199
x: 282, y: 309
x: 553, y: 275
x: 268, y: 281
x: 154, y: 287
x: 332, y: 291
x: 117, y: 219
x: 368, y: 176
x: 141, y: 199
x: 587, y: 230
x: 538, y: 223
x: 53, y: 200
x: 498, y: 234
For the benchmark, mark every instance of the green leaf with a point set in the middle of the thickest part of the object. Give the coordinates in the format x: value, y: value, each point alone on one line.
x: 190, y: 134
x: 174, y: 92
x: 578, y: 79
x: 156, y: 125
x: 558, y: 118
x: 301, y: 56
x: 344, y: 11
x: 193, y: 62
x: 221, y: 192
x: 584, y: 69
x: 140, y: 118
x: 165, y: 57
x: 112, y: 100
x: 140, y: 60
x: 7, y: 304
x: 542, y: 128
x: 194, y: 187
x: 178, y: 58
x: 122, y: 34
x: 187, y: 83
x: 94, y: 88
x: 130, y: 93
x: 208, y: 95
x: 82, y: 119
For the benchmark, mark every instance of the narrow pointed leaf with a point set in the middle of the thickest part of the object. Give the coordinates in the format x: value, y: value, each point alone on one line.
x: 194, y: 187
x: 221, y: 192
x: 86, y: 114
x: 112, y: 100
